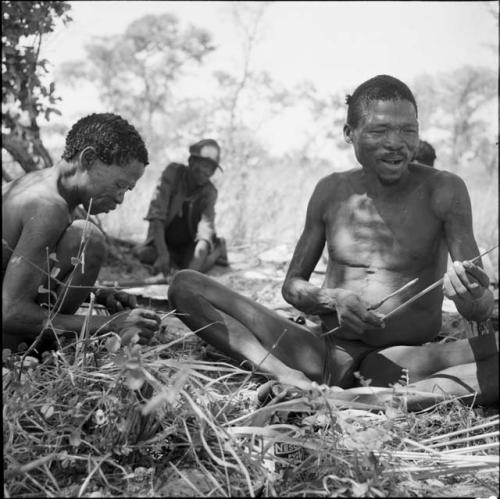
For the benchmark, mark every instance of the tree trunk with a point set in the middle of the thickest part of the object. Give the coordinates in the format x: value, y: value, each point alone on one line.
x: 17, y: 149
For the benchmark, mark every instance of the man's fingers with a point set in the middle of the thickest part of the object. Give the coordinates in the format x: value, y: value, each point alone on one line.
x: 477, y: 273
x: 458, y: 286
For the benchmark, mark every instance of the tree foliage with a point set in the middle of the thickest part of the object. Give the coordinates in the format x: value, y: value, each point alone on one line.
x: 453, y: 105
x: 134, y: 71
x: 25, y: 96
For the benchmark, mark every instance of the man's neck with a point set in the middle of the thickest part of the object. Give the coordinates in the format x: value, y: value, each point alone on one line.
x: 375, y: 188
x: 191, y: 186
x: 67, y: 183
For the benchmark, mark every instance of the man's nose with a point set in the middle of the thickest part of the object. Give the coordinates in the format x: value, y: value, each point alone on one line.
x: 393, y: 139
x: 119, y: 197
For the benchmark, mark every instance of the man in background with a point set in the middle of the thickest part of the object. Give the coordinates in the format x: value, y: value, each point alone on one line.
x: 181, y: 215
x: 426, y: 155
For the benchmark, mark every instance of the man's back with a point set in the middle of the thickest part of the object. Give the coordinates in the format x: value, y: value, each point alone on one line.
x: 31, y: 195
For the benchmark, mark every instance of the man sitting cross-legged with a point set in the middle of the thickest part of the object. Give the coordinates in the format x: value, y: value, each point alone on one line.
x: 104, y: 157
x: 385, y: 223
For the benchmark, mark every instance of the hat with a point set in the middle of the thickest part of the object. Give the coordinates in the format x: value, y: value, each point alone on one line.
x: 206, y: 149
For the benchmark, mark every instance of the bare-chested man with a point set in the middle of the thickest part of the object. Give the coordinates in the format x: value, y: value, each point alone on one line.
x: 385, y: 224
x: 104, y: 157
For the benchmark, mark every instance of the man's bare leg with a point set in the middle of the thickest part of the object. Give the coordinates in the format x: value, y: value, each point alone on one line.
x: 465, y: 368
x: 67, y: 248
x: 244, y: 329
x: 421, y: 361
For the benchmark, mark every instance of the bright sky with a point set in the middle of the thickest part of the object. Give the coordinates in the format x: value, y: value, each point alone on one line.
x: 337, y: 45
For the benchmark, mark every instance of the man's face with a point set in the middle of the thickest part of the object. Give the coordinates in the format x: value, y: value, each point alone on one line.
x: 386, y: 138
x: 107, y: 184
x: 201, y: 170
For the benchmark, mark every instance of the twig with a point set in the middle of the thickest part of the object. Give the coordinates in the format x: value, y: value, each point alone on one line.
x: 431, y: 287
x: 414, y: 298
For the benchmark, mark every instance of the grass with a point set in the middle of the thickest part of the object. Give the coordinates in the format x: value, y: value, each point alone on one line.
x: 99, y: 419
x: 169, y: 419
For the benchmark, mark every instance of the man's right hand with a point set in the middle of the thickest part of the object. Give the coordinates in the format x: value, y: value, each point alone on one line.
x: 162, y: 264
x: 353, y: 313
x: 139, y: 321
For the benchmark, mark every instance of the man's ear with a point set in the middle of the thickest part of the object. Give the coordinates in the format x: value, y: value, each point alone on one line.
x: 348, y: 133
x: 88, y: 157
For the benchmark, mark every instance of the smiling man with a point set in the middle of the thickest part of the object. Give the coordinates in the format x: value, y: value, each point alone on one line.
x: 181, y: 215
x: 104, y: 157
x: 385, y: 223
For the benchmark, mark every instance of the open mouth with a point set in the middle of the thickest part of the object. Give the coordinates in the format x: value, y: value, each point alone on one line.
x: 392, y: 162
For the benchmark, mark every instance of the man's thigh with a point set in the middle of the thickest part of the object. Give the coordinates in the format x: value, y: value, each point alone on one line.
x: 203, y: 302
x: 344, y: 362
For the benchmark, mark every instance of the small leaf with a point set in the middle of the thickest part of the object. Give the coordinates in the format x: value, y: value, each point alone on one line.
x: 75, y: 438
x: 135, y: 379
x: 113, y: 343
x: 47, y: 411
x: 53, y: 257
x: 100, y: 417
x: 55, y: 272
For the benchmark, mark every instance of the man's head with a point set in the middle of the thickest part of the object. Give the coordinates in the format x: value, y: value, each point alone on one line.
x: 108, y: 155
x: 382, y: 125
x: 204, y: 157
x: 425, y: 153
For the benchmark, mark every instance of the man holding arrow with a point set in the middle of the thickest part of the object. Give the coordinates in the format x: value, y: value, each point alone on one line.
x: 386, y: 224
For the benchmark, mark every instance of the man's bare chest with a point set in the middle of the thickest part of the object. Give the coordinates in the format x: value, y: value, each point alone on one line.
x: 397, y: 234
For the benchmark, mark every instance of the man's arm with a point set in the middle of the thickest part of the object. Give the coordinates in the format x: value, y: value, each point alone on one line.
x: 158, y: 214
x: 297, y: 290
x: 466, y: 284
x: 22, y: 316
x: 205, y: 230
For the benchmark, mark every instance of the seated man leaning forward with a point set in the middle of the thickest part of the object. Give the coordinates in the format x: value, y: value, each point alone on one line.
x: 182, y: 215
x: 385, y: 224
x: 104, y: 157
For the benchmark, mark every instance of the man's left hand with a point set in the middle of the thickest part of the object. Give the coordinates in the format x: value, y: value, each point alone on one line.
x: 115, y: 300
x: 465, y: 281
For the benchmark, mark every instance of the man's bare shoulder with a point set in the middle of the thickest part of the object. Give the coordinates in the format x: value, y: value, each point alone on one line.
x: 446, y: 188
x: 337, y: 181
x: 34, y: 194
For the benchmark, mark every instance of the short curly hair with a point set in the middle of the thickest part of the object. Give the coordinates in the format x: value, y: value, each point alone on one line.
x: 114, y: 140
x: 381, y: 87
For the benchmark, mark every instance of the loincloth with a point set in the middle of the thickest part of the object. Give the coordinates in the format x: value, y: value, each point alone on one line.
x: 342, y: 359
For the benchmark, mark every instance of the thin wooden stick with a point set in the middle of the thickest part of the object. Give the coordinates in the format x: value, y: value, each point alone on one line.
x: 383, y: 300
x: 465, y: 439
x: 414, y: 298
x: 464, y: 430
x: 431, y: 287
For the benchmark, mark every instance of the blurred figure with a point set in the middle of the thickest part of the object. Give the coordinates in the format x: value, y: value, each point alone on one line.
x: 181, y: 215
x: 426, y: 155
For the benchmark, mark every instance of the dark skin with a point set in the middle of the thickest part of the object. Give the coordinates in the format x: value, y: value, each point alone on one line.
x: 384, y: 225
x: 36, y: 221
x: 199, y: 173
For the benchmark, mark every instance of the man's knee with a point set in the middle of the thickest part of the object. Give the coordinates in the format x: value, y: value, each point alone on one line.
x: 183, y: 286
x: 83, y: 234
x: 146, y: 253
